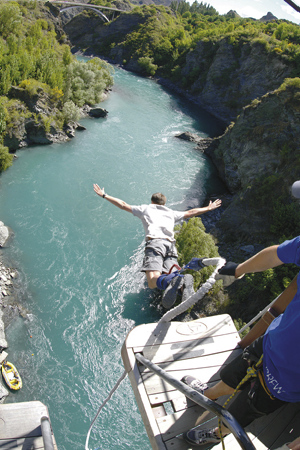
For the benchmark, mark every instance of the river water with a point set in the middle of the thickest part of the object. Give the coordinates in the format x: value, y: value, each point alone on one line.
x: 78, y: 256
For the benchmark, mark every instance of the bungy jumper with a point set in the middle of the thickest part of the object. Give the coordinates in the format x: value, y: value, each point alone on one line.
x: 157, y: 355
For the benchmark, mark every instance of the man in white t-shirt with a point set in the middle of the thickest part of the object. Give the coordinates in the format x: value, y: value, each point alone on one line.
x: 160, y: 252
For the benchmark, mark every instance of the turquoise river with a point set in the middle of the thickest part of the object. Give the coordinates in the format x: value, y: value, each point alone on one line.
x: 78, y: 257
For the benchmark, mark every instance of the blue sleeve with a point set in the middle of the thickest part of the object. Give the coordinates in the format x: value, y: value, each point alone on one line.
x: 289, y: 251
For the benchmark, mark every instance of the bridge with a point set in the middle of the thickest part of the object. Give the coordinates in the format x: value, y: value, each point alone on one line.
x: 65, y: 5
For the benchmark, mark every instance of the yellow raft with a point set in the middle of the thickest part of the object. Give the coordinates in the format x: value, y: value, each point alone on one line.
x: 11, y: 376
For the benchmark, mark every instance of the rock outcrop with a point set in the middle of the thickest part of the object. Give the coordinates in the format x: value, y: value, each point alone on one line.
x: 32, y: 121
x: 4, y: 234
x: 232, y: 78
x: 260, y: 149
x: 268, y: 17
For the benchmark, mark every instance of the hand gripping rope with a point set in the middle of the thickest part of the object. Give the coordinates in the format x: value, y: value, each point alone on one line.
x: 194, y: 264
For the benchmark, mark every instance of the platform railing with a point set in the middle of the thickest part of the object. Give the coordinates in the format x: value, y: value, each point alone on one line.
x: 47, y: 433
x: 229, y: 421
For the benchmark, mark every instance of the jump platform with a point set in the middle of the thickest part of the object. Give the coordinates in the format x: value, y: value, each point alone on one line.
x: 198, y: 348
x: 20, y: 426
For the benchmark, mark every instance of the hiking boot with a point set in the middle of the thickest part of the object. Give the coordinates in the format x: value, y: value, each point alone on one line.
x: 201, y: 437
x: 170, y: 293
x: 194, y: 383
x: 188, y: 287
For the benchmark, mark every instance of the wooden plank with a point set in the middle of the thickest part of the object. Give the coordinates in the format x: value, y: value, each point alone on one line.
x: 31, y: 443
x: 21, y: 419
x: 199, y: 348
x: 291, y: 431
x: 286, y: 422
x: 179, y: 422
x: 168, y: 332
x: 154, y: 384
x: 145, y: 410
x: 190, y: 349
x: 211, y: 360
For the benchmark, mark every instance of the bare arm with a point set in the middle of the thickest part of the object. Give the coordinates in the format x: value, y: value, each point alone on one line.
x: 266, y: 259
x: 115, y: 201
x: 198, y: 211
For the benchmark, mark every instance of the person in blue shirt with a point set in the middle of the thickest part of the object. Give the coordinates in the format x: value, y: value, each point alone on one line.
x: 279, y: 373
x: 160, y: 262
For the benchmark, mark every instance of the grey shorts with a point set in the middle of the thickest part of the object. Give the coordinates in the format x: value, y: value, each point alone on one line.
x: 160, y: 255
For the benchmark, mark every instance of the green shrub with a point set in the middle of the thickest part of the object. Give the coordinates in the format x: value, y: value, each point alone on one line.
x: 5, y: 158
x: 86, y: 82
x: 71, y: 112
x: 147, y: 66
x: 293, y: 83
x: 193, y: 242
x: 285, y: 218
x: 10, y: 18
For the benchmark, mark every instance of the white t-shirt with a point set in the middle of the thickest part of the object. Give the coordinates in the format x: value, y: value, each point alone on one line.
x: 158, y: 220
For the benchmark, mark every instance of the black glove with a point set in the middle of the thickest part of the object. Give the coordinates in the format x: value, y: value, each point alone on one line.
x: 227, y: 273
x: 228, y: 269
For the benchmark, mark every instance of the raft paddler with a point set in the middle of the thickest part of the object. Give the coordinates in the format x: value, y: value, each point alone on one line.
x: 160, y: 261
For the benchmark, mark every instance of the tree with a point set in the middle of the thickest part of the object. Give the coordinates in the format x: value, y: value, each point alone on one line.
x: 10, y: 18
x: 5, y: 158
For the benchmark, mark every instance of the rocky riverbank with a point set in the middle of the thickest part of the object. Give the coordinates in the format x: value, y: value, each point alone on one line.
x: 26, y: 130
x: 8, y: 276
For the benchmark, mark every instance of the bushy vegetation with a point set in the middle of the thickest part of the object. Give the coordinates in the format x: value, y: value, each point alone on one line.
x: 186, y: 9
x: 86, y: 82
x: 255, y: 291
x: 32, y: 58
x: 5, y: 158
x: 193, y: 242
x: 165, y: 36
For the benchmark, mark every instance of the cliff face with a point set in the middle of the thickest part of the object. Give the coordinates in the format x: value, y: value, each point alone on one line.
x: 224, y: 75
x: 229, y: 76
x: 258, y: 158
x: 88, y: 32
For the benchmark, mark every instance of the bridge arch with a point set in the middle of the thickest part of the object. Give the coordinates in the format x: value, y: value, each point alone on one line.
x: 97, y: 11
x: 64, y: 5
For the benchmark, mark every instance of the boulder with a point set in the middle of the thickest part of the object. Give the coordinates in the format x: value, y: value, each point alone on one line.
x: 4, y: 234
x: 3, y: 342
x: 98, y: 112
x: 188, y: 136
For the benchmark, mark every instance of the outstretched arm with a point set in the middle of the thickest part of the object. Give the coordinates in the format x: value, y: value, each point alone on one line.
x: 266, y: 259
x: 115, y: 201
x: 198, y: 211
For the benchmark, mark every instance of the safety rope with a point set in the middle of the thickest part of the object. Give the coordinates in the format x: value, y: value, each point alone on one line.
x: 252, y: 372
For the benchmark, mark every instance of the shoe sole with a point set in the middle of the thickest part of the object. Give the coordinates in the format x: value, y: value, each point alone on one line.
x: 188, y: 290
x: 169, y: 298
x: 193, y: 382
x: 195, y: 444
